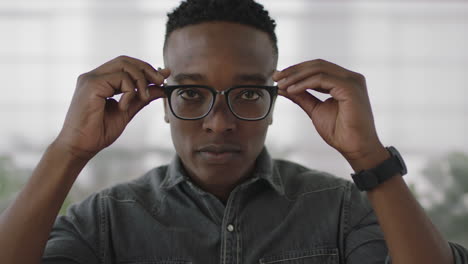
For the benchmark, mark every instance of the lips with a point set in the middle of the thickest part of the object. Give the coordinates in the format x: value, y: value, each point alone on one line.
x: 218, y: 153
x: 219, y: 148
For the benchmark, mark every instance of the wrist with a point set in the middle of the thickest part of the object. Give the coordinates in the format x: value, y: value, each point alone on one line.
x: 370, y: 159
x: 68, y: 153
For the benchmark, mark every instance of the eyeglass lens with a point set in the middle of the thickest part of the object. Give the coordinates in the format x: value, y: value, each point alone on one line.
x: 245, y: 102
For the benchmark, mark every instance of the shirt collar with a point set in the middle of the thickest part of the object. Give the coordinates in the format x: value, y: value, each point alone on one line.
x: 175, y: 174
x: 264, y: 169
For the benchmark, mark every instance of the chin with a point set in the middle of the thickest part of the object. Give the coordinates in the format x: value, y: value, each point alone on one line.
x: 219, y: 169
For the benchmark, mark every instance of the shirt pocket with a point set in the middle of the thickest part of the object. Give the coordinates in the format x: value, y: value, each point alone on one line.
x: 311, y: 256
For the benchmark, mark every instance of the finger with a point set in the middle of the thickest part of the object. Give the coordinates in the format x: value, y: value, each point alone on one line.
x: 301, y: 71
x: 129, y: 64
x: 318, y: 63
x: 305, y: 100
x: 141, y: 72
x: 125, y: 100
x: 165, y: 72
x: 280, y: 74
x: 147, y: 68
x: 337, y: 87
x: 121, y: 82
x: 128, y: 89
x: 111, y: 84
x: 152, y: 75
x: 162, y: 74
x: 140, y: 79
x: 157, y: 80
x: 135, y: 105
x: 156, y: 91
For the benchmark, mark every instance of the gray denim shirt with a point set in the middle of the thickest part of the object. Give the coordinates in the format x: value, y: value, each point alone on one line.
x: 284, y: 214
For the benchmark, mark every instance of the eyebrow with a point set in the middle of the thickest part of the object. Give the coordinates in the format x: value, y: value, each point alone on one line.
x: 196, y: 77
x: 255, y: 78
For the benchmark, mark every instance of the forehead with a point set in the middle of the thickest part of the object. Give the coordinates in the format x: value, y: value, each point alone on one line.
x: 219, y: 48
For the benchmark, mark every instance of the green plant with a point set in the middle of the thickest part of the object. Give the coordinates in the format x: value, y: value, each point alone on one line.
x: 12, y: 179
x: 449, y: 212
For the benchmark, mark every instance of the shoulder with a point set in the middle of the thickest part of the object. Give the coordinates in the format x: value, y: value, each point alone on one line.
x: 298, y: 179
x: 144, y: 190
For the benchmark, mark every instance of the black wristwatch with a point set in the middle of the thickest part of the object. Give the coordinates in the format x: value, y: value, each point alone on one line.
x: 366, y: 180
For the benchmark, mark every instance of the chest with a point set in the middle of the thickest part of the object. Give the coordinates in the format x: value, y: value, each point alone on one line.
x: 267, y: 229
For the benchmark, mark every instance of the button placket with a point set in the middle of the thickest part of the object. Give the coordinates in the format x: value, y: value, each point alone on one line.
x: 230, y: 238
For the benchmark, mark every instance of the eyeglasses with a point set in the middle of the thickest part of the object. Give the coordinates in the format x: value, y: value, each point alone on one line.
x: 246, y: 102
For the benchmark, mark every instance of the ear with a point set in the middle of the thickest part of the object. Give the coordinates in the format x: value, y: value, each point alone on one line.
x: 270, y: 120
x: 166, y: 109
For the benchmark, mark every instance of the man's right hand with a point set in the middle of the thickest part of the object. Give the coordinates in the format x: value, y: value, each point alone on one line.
x: 95, y: 119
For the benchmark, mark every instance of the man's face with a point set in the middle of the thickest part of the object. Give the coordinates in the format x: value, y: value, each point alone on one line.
x: 219, y: 149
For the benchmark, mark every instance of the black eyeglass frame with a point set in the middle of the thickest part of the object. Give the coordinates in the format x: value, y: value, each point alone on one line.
x: 272, y: 90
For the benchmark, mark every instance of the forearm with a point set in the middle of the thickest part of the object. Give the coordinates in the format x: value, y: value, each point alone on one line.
x: 25, y: 225
x: 408, y: 231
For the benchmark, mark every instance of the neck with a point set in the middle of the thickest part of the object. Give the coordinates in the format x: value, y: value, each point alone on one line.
x: 221, y: 187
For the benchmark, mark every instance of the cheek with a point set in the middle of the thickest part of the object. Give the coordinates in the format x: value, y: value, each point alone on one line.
x: 255, y: 135
x: 182, y: 136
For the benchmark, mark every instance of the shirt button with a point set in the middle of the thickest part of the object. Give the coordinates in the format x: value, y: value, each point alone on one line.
x: 230, y: 228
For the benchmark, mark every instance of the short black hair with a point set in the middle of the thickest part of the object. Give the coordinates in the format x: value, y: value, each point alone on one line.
x: 244, y: 12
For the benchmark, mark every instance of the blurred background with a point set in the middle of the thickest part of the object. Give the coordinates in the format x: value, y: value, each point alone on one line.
x: 413, y: 53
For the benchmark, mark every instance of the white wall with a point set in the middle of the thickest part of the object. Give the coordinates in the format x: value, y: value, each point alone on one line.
x: 413, y: 54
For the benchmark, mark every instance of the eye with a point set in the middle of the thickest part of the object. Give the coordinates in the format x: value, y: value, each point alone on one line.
x: 250, y: 95
x: 189, y: 94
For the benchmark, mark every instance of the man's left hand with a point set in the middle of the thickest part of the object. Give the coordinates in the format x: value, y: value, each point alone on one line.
x: 345, y: 119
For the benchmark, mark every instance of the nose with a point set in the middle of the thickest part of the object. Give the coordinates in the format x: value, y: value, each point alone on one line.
x: 220, y: 119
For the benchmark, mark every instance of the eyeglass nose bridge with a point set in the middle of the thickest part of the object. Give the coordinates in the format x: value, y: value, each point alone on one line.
x: 227, y: 106
x: 213, y: 102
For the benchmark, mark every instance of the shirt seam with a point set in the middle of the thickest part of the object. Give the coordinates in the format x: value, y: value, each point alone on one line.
x: 63, y: 256
x: 118, y: 200
x: 228, y: 211
x: 237, y: 229
x: 362, y: 244
x: 210, y: 210
x: 292, y: 199
x: 103, y: 220
x: 345, y: 219
x: 295, y: 258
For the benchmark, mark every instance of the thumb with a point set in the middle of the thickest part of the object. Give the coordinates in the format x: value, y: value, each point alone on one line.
x: 136, y: 104
x: 305, y: 100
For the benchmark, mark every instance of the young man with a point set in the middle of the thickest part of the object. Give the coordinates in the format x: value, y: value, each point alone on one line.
x: 222, y: 199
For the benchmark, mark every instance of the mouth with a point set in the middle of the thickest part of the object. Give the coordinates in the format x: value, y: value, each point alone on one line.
x: 219, y: 153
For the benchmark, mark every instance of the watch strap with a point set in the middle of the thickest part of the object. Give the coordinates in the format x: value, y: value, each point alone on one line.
x: 366, y: 180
